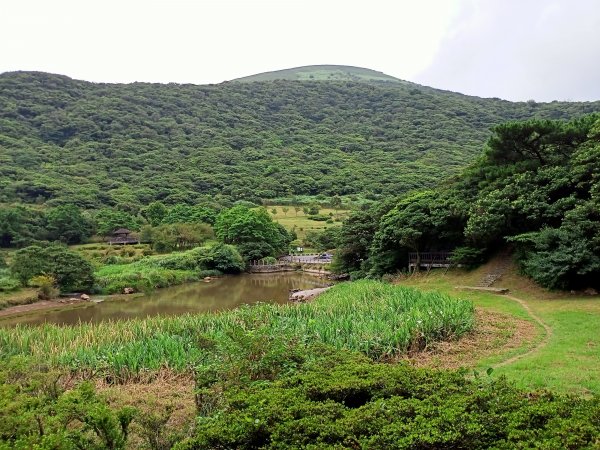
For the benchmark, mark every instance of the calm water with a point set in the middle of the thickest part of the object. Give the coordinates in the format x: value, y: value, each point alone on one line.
x: 218, y: 294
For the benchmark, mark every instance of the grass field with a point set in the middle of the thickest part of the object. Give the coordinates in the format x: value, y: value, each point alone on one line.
x: 566, y: 359
x: 22, y: 296
x: 300, y: 223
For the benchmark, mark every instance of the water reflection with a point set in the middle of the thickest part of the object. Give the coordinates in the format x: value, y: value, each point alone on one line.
x: 218, y: 294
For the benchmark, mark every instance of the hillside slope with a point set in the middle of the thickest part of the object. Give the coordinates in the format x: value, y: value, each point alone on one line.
x: 63, y: 140
x: 323, y: 73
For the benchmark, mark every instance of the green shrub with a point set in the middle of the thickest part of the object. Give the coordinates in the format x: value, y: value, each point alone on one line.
x: 37, y: 412
x: 225, y: 258
x: 46, y: 285
x: 114, y: 278
x: 7, y: 282
x: 113, y: 259
x: 222, y: 257
x: 269, y: 260
x: 209, y: 273
x: 162, y: 271
x: 190, y: 260
x: 468, y: 256
x: 70, y: 270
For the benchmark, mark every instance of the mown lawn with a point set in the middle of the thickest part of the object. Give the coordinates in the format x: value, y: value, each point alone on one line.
x: 568, y: 360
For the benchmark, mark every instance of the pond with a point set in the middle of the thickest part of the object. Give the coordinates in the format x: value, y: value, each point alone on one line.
x: 218, y: 294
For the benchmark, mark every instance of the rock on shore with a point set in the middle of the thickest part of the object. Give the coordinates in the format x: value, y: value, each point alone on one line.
x: 307, y: 295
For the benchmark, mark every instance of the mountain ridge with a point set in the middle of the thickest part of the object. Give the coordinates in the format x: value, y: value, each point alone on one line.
x: 322, y: 72
x: 125, y: 145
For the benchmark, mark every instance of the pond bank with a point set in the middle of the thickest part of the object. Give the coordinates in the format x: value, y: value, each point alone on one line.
x: 40, y: 305
x: 219, y: 294
x: 58, y: 304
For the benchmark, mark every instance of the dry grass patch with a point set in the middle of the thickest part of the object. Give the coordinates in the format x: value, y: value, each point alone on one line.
x: 21, y: 297
x: 495, y: 336
x: 165, y: 404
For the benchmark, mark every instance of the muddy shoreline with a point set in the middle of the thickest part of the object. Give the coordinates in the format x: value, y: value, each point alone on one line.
x: 56, y: 304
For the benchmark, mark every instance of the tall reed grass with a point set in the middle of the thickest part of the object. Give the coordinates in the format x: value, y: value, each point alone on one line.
x: 141, y: 276
x: 378, y: 319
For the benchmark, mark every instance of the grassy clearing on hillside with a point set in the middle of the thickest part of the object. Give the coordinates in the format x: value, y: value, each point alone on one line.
x: 101, y: 253
x: 377, y: 319
x: 569, y: 361
x: 302, y: 224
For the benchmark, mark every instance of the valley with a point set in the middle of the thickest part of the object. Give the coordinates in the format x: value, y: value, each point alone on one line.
x: 155, y: 200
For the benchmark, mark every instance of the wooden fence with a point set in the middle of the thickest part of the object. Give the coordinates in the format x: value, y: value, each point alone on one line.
x: 429, y: 260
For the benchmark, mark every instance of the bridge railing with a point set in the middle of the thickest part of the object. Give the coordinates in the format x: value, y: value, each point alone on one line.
x: 308, y: 259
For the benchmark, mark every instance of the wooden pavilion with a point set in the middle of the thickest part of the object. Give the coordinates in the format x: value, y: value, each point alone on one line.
x: 121, y: 236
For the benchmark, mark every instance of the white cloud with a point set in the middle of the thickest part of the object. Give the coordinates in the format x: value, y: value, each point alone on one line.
x: 210, y: 41
x: 517, y: 49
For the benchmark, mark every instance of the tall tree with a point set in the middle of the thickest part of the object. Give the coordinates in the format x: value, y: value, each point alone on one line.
x: 67, y: 224
x: 253, y: 231
x: 155, y: 213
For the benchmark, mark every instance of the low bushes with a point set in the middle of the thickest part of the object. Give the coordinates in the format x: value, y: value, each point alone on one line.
x: 341, y: 400
x: 114, y: 278
x: 263, y: 391
x: 70, y: 271
x: 36, y: 411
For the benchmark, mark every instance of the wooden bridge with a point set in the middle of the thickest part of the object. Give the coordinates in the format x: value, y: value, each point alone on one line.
x: 288, y: 263
x: 429, y: 260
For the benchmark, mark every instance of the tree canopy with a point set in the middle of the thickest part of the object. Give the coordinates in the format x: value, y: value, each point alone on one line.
x: 253, y: 232
x: 70, y: 270
x: 536, y: 187
x: 64, y: 141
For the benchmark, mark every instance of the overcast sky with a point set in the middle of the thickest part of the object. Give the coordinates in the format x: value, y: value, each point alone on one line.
x: 513, y: 49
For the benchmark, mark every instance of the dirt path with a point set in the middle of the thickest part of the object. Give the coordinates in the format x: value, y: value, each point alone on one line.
x: 41, y: 305
x: 539, y: 345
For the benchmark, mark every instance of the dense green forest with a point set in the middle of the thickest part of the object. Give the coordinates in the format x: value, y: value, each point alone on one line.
x: 124, y: 146
x: 535, y: 188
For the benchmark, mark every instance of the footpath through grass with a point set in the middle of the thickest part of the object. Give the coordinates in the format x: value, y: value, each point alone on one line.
x: 567, y: 360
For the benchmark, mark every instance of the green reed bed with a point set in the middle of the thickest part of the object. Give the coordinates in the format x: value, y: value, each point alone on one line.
x: 141, y: 276
x: 378, y: 319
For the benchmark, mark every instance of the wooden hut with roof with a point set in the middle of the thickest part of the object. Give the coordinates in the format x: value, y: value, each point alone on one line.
x: 121, y: 236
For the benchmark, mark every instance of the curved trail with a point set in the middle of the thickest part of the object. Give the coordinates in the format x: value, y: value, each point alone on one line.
x: 539, y: 345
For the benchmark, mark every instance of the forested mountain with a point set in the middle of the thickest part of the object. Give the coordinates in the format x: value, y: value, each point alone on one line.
x: 68, y: 141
